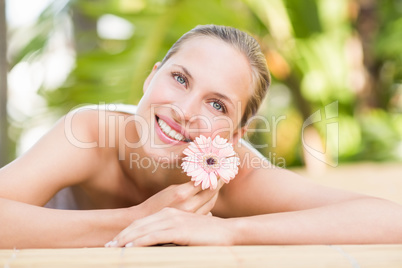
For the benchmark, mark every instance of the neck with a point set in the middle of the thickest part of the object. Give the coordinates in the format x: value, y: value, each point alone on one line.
x: 153, y: 173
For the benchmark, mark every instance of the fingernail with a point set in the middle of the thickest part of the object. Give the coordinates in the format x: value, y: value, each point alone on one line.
x: 129, y: 245
x: 111, y: 244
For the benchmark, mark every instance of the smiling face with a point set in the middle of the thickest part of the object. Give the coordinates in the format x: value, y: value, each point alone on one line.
x: 201, y: 89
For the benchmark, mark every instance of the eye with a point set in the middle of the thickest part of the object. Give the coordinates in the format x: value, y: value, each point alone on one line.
x: 218, y: 105
x: 181, y: 78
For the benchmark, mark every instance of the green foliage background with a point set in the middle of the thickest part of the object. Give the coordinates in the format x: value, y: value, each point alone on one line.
x: 312, y: 48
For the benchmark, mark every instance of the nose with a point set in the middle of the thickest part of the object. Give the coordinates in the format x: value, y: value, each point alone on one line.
x: 187, y: 109
x: 188, y: 106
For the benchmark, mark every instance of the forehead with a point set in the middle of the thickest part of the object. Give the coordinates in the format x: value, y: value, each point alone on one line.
x: 216, y: 66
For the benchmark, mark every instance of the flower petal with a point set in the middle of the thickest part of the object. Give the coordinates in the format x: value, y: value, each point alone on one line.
x: 226, y: 151
x: 206, y: 174
x: 225, y: 175
x: 189, y: 167
x: 195, y: 173
x: 219, y: 142
x: 213, y: 180
x: 192, y: 159
x: 197, y: 182
x: 205, y: 181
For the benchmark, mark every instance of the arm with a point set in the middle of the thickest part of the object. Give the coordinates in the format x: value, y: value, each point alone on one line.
x: 30, y: 181
x: 274, y: 206
x: 360, y: 221
x: 53, y: 163
x: 28, y: 226
x: 293, y: 210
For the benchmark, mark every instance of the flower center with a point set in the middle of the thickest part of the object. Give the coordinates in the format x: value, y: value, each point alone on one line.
x: 210, y: 162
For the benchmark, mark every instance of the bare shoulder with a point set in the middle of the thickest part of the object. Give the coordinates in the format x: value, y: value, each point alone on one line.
x: 67, y: 155
x: 261, y: 188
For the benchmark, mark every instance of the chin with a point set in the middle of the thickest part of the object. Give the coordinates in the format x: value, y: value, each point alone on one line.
x: 162, y: 159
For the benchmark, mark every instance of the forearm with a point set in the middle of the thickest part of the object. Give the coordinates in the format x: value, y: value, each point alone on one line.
x: 27, y: 226
x: 361, y: 221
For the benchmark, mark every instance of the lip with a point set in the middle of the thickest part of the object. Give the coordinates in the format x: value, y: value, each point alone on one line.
x: 172, y: 125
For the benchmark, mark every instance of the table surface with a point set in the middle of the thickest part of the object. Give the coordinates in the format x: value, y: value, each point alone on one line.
x: 236, y: 256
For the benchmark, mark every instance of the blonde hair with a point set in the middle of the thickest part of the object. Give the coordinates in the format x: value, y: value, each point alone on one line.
x: 245, y: 44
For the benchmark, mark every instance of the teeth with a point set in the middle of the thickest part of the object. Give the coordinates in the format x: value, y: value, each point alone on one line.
x: 170, y: 132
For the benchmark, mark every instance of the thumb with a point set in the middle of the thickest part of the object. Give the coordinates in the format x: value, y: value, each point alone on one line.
x: 220, y: 183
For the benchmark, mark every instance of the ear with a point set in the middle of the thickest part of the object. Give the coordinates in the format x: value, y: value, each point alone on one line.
x: 150, y: 76
x: 238, y: 134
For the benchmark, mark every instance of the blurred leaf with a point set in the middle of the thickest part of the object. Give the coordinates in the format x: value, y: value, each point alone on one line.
x: 304, y: 17
x: 304, y: 41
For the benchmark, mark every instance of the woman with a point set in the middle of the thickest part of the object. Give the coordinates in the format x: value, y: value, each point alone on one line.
x: 210, y: 76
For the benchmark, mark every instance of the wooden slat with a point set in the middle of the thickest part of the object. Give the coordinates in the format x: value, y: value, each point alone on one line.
x: 389, y: 256
x: 6, y: 257
x: 237, y: 256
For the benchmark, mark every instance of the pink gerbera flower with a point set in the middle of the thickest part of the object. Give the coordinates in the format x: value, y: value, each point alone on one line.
x: 207, y: 160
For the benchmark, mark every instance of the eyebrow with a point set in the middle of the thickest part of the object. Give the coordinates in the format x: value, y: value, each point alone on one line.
x: 224, y: 97
x: 220, y: 95
x: 186, y: 72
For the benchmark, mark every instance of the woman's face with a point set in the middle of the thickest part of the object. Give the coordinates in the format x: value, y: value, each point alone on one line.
x: 202, y: 89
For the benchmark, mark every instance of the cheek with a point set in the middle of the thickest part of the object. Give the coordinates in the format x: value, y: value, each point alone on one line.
x: 162, y: 92
x: 210, y: 127
x: 224, y: 128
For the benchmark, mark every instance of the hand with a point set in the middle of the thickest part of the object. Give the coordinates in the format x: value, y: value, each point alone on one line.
x: 175, y: 226
x: 184, y: 197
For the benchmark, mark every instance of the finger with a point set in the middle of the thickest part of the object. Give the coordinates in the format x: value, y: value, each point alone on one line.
x: 144, y: 230
x: 202, y: 198
x: 155, y: 238
x: 161, y: 220
x: 195, y: 189
x: 189, y: 187
x: 208, y: 206
x: 208, y: 194
x: 196, y: 198
x: 134, y: 226
x: 198, y: 189
x: 197, y: 201
x: 220, y: 184
x: 117, y: 240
